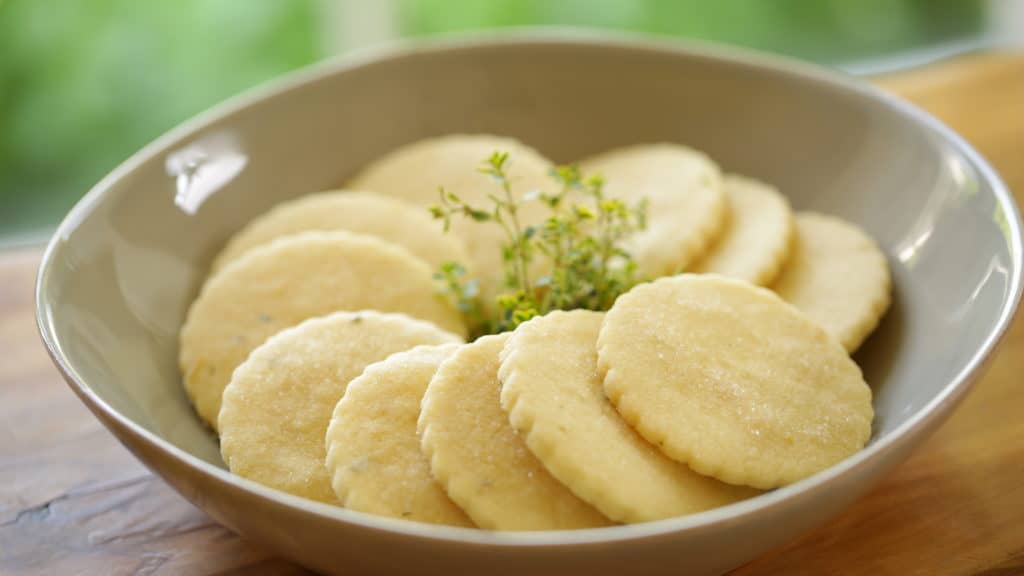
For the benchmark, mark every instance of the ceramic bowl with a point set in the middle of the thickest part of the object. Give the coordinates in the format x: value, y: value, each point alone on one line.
x: 126, y: 262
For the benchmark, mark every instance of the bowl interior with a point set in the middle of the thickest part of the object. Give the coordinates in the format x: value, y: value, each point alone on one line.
x: 130, y: 258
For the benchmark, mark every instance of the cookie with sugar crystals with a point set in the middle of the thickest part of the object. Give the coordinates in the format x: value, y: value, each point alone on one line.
x: 282, y: 283
x: 384, y: 217
x: 733, y: 381
x: 277, y: 407
x: 373, y: 451
x: 414, y: 173
x: 686, y: 204
x: 838, y: 277
x: 553, y: 395
x: 757, y: 237
x: 478, y: 458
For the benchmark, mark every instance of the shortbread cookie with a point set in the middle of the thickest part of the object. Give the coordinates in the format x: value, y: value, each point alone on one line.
x: 757, y: 238
x: 478, y: 458
x: 278, y: 405
x: 373, y: 451
x: 282, y: 283
x: 731, y: 380
x: 415, y: 172
x: 552, y: 392
x: 686, y: 205
x: 837, y: 276
x: 384, y: 217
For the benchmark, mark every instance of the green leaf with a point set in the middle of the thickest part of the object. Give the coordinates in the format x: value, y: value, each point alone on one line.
x: 583, y: 212
x: 478, y: 215
x: 497, y: 160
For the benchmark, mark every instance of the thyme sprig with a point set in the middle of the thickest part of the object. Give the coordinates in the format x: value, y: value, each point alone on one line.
x: 580, y: 242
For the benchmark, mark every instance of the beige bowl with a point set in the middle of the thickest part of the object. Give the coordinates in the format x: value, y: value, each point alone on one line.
x: 124, y: 265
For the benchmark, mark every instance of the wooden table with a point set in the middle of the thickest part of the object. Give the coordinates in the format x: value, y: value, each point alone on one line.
x: 72, y: 500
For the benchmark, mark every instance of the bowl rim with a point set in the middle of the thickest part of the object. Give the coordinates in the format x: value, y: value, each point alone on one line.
x: 931, y: 413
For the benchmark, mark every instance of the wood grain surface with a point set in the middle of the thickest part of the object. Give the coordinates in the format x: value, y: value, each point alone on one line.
x: 73, y: 501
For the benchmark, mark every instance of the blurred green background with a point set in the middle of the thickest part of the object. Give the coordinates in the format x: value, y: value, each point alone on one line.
x: 84, y: 84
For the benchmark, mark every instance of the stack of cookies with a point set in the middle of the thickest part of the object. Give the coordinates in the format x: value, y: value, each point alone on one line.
x: 321, y: 353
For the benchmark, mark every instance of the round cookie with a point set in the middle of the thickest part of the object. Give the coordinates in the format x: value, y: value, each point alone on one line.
x: 478, y: 458
x: 278, y: 405
x: 373, y: 451
x: 686, y: 204
x: 837, y: 276
x: 731, y: 380
x: 757, y: 237
x: 414, y: 172
x: 556, y: 402
x: 384, y: 217
x: 282, y: 283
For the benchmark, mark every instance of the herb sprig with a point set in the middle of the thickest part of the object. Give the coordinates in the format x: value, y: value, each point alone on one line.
x: 580, y: 239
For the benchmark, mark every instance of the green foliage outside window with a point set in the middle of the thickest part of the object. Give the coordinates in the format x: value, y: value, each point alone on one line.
x: 85, y: 83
